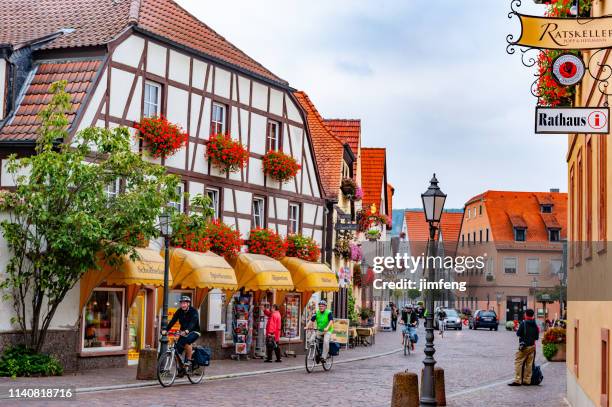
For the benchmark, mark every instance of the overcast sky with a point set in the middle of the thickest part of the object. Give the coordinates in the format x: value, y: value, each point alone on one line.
x: 429, y: 79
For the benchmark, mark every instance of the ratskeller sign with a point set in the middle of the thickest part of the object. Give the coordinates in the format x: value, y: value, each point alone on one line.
x: 565, y: 33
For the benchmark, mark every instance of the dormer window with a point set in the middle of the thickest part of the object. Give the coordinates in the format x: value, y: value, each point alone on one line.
x: 520, y: 234
x: 546, y: 208
x: 554, y: 235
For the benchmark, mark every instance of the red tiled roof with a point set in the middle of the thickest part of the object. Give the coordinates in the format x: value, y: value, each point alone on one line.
x: 418, y: 230
x: 328, y: 149
x: 501, y: 206
x: 373, y: 162
x: 517, y: 221
x: 347, y: 130
x: 550, y: 220
x: 96, y: 22
x: 79, y: 76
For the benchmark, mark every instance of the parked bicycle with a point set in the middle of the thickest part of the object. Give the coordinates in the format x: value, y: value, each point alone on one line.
x: 171, y: 365
x: 314, y: 353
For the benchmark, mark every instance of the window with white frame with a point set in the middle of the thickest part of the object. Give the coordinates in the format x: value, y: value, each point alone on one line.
x: 533, y: 266
x: 152, y: 99
x: 258, y: 212
x: 273, y: 136
x: 294, y: 218
x: 112, y: 189
x: 218, y: 119
x: 213, y: 195
x: 178, y: 204
x: 103, y: 320
x: 555, y: 266
x: 510, y: 265
x: 346, y: 171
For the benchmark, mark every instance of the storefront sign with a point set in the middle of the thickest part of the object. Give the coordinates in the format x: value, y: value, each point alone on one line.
x: 341, y: 331
x: 346, y: 226
x: 589, y: 120
x: 385, y: 319
x: 565, y: 33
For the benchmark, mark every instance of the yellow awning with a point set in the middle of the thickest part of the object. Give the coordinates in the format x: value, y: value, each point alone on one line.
x: 201, y: 270
x: 309, y: 276
x: 258, y: 272
x: 147, y: 270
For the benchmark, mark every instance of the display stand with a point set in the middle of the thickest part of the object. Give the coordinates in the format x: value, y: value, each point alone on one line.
x: 242, y: 326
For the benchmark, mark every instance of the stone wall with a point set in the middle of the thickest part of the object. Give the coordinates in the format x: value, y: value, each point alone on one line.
x: 60, y: 343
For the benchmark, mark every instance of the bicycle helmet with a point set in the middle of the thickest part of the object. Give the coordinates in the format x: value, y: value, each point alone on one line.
x: 185, y: 298
x: 323, y: 302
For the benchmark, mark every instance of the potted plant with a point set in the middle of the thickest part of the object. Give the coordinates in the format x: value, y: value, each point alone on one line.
x: 225, y: 153
x: 266, y: 242
x: 303, y: 247
x: 366, y: 315
x: 553, y: 344
x: 348, y: 186
x: 280, y: 166
x: 373, y: 234
x: 161, y: 137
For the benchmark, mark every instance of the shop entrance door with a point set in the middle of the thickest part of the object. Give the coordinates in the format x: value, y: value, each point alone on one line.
x: 136, y: 326
x: 515, y: 308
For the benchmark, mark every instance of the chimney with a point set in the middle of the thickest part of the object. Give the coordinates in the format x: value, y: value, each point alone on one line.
x: 554, y: 190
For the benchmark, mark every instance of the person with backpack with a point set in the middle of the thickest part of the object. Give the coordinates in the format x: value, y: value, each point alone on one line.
x: 273, y: 332
x: 528, y: 333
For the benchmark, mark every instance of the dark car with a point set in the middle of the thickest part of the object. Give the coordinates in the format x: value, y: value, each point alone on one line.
x: 483, y: 319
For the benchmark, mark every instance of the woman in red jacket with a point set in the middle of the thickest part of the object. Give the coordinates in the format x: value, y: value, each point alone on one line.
x: 273, y: 330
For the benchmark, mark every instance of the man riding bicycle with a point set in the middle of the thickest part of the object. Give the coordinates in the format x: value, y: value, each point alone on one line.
x: 325, y: 326
x: 410, y: 320
x: 189, y: 321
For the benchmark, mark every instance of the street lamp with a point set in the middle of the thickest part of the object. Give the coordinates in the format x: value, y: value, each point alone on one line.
x: 166, y: 230
x: 433, y: 204
x: 534, y: 285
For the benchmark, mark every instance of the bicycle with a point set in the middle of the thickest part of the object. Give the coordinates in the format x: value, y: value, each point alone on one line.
x: 442, y: 327
x: 406, y: 342
x: 314, y: 353
x: 171, y: 364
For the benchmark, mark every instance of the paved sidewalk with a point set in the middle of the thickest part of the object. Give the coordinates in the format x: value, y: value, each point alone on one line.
x: 112, y: 378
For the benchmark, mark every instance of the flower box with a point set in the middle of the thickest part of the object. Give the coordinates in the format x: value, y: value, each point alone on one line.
x: 266, y: 242
x: 226, y: 154
x: 280, y: 166
x: 161, y: 137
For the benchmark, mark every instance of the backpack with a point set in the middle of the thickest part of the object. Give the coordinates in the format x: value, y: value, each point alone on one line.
x: 201, y: 355
x: 536, y: 375
x: 334, y: 348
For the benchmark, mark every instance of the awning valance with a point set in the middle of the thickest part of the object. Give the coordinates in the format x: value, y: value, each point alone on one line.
x: 258, y: 272
x: 309, y: 276
x: 201, y: 270
x: 147, y: 270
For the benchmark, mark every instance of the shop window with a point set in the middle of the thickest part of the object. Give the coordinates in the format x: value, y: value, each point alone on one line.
x: 103, y: 320
x: 136, y: 326
x: 213, y: 195
x: 178, y: 204
x: 218, y: 119
x: 510, y: 265
x: 294, y: 218
x: 605, y: 367
x: 273, y: 136
x: 152, y: 99
x: 291, y: 316
x: 258, y: 212
x: 533, y: 266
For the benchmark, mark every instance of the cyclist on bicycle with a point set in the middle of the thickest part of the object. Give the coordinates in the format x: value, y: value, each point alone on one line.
x: 189, y: 321
x: 325, y: 326
x: 410, y: 319
x: 442, y: 321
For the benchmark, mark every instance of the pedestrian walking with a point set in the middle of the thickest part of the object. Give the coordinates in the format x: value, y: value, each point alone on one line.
x: 394, y: 313
x: 528, y: 333
x: 273, y: 330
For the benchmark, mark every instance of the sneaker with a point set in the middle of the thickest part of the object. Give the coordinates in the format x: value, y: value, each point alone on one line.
x: 514, y: 384
x: 188, y: 363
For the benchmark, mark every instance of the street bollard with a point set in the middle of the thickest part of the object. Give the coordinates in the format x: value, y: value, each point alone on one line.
x: 147, y: 364
x: 440, y: 388
x: 405, y: 390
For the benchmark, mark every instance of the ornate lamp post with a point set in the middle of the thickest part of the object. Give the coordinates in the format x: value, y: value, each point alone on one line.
x: 433, y: 204
x: 166, y: 230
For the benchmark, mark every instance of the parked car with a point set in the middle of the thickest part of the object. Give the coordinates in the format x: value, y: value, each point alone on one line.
x: 484, y: 319
x: 453, y: 319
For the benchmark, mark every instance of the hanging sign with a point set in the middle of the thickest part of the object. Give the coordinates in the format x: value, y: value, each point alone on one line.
x: 565, y: 33
x: 588, y: 120
x: 346, y: 226
x: 568, y: 69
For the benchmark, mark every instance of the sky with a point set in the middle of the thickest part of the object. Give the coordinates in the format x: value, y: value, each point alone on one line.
x: 429, y: 79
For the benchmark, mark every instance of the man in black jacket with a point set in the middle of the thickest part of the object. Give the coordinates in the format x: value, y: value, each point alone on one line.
x: 189, y: 321
x: 528, y: 333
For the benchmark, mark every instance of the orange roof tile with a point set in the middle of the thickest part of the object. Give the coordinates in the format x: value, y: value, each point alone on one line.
x: 328, y: 149
x: 550, y: 220
x: 23, y: 125
x: 506, y: 209
x: 97, y: 22
x: 347, y: 130
x: 373, y: 169
x: 418, y: 230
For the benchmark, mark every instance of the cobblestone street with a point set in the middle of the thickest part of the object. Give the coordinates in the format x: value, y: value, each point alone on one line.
x: 477, y: 367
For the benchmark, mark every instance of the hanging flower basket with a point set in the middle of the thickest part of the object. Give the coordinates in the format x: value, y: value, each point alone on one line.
x: 348, y: 188
x: 224, y: 240
x: 358, y: 194
x: 303, y: 247
x: 280, y: 166
x: 161, y: 137
x: 226, y: 154
x: 367, y: 219
x: 266, y: 242
x: 373, y: 234
x: 342, y: 248
x: 356, y: 252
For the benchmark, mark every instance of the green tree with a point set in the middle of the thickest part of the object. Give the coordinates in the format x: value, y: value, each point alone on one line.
x: 414, y: 293
x: 60, y: 219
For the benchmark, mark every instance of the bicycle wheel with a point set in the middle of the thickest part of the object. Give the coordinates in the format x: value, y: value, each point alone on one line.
x: 310, y: 359
x: 196, y: 374
x: 166, y: 369
x: 406, y: 345
x: 329, y: 362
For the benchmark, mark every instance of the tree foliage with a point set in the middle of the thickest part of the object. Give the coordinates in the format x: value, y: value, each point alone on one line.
x: 61, y: 219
